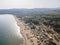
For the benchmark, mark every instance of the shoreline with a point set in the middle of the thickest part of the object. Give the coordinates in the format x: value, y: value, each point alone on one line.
x: 28, y: 37
x: 17, y: 20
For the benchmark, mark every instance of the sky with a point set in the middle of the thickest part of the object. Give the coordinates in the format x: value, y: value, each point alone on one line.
x: 7, y: 4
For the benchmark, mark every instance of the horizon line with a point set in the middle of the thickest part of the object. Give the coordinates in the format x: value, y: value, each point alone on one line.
x: 28, y: 8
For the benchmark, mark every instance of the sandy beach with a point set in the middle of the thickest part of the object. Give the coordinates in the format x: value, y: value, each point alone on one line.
x: 28, y: 36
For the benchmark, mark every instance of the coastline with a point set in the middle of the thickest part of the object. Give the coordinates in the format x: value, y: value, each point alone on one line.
x: 18, y: 24
x: 28, y: 37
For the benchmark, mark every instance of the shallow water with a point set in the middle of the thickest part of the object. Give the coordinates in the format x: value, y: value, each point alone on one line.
x: 9, y: 31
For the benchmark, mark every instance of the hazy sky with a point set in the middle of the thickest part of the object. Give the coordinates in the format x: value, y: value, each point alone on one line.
x: 29, y: 3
